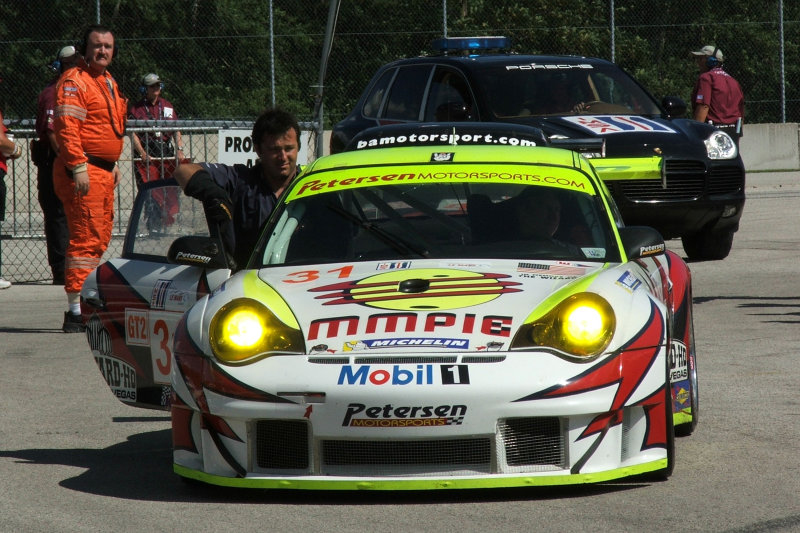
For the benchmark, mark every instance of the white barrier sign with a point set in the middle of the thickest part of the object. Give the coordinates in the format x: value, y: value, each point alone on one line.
x: 236, y: 147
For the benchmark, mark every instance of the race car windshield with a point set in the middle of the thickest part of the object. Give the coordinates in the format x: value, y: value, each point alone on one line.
x: 443, y: 221
x: 514, y: 91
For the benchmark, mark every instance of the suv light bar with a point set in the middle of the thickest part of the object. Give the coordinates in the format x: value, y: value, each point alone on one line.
x: 471, y: 44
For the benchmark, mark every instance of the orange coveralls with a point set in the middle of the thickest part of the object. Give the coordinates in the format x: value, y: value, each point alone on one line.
x: 89, y: 124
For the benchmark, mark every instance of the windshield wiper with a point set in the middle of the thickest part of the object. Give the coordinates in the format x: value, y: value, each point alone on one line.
x: 399, y: 244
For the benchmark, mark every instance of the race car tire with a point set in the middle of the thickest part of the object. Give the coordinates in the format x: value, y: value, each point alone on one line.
x: 708, y: 245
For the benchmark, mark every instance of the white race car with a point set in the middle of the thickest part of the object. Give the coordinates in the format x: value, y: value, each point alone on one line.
x: 414, y: 317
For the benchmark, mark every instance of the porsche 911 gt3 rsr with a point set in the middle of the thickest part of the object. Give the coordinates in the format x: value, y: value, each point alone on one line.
x: 415, y: 317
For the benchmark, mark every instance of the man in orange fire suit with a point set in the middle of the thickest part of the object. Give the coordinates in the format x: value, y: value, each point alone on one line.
x: 89, y: 125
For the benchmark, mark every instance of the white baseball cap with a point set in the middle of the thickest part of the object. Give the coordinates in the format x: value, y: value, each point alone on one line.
x: 709, y: 50
x: 67, y: 51
x: 150, y: 79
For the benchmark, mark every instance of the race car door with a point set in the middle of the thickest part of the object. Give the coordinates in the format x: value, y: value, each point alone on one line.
x: 132, y: 304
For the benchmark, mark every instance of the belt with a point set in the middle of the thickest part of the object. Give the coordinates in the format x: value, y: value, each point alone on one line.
x: 96, y: 161
x: 100, y: 162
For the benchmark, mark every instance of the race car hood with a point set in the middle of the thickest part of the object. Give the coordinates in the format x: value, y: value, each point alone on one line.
x: 431, y: 304
x: 628, y: 135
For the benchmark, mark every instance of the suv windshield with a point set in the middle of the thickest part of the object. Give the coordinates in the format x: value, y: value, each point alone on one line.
x: 447, y: 221
x: 569, y: 89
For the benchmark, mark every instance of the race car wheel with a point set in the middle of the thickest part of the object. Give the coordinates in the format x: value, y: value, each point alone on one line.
x: 708, y: 245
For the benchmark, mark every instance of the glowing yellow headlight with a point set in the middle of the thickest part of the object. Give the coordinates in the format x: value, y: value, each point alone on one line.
x: 581, y: 325
x: 244, y: 330
x: 584, y: 323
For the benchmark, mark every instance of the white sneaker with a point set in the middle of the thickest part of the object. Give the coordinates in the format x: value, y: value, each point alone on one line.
x: 4, y: 284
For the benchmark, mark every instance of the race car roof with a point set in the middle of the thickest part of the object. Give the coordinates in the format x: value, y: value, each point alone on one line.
x: 446, y: 156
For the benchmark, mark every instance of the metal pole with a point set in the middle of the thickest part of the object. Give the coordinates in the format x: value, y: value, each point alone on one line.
x: 783, y: 70
x: 444, y: 18
x: 272, y: 52
x: 97, y: 10
x: 613, y: 34
x: 333, y: 13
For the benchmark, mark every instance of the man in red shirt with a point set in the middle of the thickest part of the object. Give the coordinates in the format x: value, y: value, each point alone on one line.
x: 717, y: 97
x: 158, y: 152
x: 43, y: 154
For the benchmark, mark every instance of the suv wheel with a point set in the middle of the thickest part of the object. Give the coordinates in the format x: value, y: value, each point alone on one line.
x: 708, y: 245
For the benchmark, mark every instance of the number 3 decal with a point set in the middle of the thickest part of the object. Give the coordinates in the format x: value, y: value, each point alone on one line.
x: 161, y: 330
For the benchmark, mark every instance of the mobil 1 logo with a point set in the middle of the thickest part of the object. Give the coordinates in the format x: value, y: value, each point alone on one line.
x: 422, y: 374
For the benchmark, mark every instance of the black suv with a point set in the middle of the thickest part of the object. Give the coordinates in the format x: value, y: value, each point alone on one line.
x: 683, y: 177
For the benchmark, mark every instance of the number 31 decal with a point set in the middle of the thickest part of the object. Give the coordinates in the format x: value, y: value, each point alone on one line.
x: 304, y: 276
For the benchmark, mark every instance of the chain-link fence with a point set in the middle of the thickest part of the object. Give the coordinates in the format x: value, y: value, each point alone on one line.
x: 226, y: 60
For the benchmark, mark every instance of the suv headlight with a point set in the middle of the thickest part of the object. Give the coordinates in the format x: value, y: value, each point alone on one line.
x: 582, y: 326
x: 719, y: 145
x: 244, y: 330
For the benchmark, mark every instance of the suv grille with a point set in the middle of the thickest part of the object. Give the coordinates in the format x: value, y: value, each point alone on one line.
x: 726, y: 180
x: 686, y: 180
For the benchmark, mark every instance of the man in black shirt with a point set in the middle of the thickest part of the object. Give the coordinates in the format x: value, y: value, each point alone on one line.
x: 239, y: 197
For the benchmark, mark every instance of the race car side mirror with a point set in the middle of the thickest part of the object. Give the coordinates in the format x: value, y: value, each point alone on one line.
x: 674, y: 107
x: 641, y: 241
x: 196, y: 250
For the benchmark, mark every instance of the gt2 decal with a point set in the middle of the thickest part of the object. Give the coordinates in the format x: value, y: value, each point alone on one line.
x: 421, y: 375
x: 499, y: 326
x: 388, y: 416
x: 433, y: 289
x: 136, y: 330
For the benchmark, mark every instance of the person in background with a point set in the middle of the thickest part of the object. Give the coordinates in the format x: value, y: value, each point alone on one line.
x: 43, y: 154
x: 157, y: 153
x: 717, y: 97
x: 241, y: 198
x: 9, y: 150
x: 89, y: 124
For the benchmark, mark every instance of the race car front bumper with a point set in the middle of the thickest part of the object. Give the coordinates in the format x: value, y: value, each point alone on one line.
x: 472, y: 423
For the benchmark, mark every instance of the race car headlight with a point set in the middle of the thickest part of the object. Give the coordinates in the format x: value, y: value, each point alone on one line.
x: 245, y: 330
x: 720, y: 146
x: 582, y: 325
